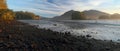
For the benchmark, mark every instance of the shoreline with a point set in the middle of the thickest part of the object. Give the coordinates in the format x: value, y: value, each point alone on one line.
x: 21, y: 36
x: 97, y: 31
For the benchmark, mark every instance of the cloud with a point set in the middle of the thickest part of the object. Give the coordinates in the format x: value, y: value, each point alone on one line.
x: 52, y: 8
x: 97, y: 2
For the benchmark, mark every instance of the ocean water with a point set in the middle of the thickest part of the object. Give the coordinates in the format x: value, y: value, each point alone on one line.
x: 98, y: 29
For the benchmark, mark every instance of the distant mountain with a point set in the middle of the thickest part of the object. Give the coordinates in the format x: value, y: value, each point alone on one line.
x: 88, y: 15
x: 65, y: 16
x: 42, y: 18
x: 70, y: 15
x: 94, y: 14
x: 45, y: 18
x: 104, y: 17
x: 115, y: 16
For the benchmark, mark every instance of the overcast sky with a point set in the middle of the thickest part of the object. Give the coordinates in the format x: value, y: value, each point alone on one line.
x: 50, y: 8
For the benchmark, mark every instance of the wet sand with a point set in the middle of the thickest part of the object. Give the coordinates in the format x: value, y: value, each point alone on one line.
x: 17, y: 36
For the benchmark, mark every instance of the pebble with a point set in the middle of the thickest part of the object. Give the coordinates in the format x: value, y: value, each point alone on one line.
x: 47, y: 40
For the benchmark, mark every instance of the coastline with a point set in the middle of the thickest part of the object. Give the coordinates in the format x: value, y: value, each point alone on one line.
x: 21, y: 36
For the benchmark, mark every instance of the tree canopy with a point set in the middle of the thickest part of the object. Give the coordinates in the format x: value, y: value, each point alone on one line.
x: 76, y: 15
x: 24, y: 15
x: 6, y: 15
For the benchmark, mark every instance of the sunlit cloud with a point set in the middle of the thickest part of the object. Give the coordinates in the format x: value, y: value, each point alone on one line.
x: 50, y: 8
x: 97, y: 2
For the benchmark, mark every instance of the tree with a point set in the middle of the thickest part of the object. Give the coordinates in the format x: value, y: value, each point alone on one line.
x: 104, y: 17
x: 78, y: 15
x: 6, y: 15
x: 24, y: 15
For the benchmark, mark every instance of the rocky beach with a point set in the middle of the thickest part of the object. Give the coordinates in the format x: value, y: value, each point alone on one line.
x: 18, y: 36
x: 51, y: 25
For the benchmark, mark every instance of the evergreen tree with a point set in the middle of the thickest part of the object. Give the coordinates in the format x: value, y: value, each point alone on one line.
x: 24, y: 15
x: 78, y: 15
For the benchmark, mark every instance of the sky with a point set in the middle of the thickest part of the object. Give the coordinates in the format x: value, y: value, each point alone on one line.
x: 51, y: 8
